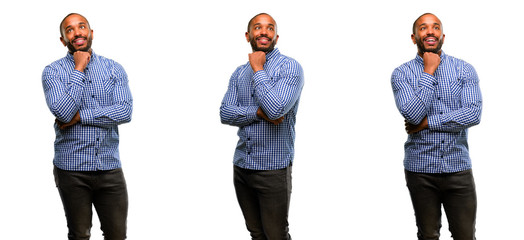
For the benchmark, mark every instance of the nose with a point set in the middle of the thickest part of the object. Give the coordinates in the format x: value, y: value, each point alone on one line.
x: 430, y: 31
x: 263, y: 31
x: 76, y: 32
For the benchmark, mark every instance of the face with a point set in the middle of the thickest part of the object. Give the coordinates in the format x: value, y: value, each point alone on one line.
x: 262, y: 34
x: 428, y: 34
x: 76, y: 34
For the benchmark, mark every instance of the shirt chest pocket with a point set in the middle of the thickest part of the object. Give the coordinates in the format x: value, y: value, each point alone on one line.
x: 99, y: 92
x: 455, y: 86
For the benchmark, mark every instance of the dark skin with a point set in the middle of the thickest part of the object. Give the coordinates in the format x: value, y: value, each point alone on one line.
x: 76, y: 34
x: 263, y: 32
x: 412, y: 128
x: 426, y: 27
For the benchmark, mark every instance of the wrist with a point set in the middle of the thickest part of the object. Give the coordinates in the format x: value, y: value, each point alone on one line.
x: 429, y: 71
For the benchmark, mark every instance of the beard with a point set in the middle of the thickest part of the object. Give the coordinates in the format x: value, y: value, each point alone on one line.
x: 72, y: 49
x: 267, y: 49
x: 423, y: 49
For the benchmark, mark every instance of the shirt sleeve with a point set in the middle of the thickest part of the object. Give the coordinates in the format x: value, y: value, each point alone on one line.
x: 469, y: 112
x: 231, y: 112
x: 63, y: 97
x: 413, y: 102
x: 277, y: 96
x: 117, y: 113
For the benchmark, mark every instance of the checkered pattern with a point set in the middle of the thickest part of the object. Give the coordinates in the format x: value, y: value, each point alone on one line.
x: 452, y: 102
x: 276, y: 89
x: 101, y: 94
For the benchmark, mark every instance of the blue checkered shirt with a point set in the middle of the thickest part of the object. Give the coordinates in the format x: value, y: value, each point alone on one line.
x: 452, y: 102
x: 276, y: 90
x: 101, y: 94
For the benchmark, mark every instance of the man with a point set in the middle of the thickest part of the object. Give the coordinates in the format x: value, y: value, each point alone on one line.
x: 439, y: 97
x: 262, y: 100
x: 89, y: 96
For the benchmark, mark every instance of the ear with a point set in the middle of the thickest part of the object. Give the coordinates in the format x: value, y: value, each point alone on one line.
x: 247, y: 36
x: 276, y: 39
x: 413, y: 39
x: 92, y: 35
x: 63, y: 41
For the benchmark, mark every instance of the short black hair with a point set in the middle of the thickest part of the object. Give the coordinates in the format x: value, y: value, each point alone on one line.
x: 62, y: 22
x: 253, y: 18
x: 415, y: 22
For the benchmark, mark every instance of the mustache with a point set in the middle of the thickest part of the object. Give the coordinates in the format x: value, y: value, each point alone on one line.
x: 431, y: 35
x: 263, y: 36
x: 84, y: 37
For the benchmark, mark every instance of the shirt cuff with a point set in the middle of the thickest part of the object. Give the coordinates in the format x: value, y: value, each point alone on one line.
x: 259, y: 77
x: 251, y: 113
x: 435, y: 122
x: 78, y: 78
x: 428, y: 81
x: 86, y: 116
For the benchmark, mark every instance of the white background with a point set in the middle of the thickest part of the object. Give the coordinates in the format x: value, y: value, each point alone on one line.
x: 348, y: 180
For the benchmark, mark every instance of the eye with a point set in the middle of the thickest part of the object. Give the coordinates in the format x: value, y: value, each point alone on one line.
x: 270, y: 28
x: 438, y: 28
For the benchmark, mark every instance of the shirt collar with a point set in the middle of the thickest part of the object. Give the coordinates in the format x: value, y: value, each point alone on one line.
x: 272, y: 54
x: 442, y: 57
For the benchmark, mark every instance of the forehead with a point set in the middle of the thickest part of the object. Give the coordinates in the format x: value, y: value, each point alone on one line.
x: 428, y: 19
x: 73, y: 20
x: 264, y: 20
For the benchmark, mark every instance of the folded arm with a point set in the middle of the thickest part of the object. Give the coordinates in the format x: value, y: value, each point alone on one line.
x: 276, y: 98
x: 470, y: 110
x: 119, y: 111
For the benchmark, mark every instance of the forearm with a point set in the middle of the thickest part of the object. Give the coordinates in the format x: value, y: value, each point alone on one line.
x: 107, y: 116
x: 458, y: 120
x: 238, y: 116
x: 468, y: 109
x: 276, y: 98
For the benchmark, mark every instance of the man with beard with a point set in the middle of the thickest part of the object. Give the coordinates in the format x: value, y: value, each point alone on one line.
x: 439, y: 97
x: 262, y: 100
x: 89, y: 96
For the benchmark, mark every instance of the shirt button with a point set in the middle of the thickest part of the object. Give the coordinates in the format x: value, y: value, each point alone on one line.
x: 93, y: 96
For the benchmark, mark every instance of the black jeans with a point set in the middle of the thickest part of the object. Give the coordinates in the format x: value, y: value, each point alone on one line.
x: 105, y: 190
x: 455, y: 191
x: 264, y: 198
